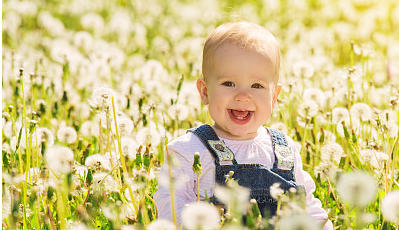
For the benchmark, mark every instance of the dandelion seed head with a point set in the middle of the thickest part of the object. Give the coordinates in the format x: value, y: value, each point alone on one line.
x: 233, y: 195
x: 392, y: 129
x: 276, y: 192
x: 361, y: 111
x: 143, y: 134
x: 178, y: 111
x: 200, y: 215
x: 92, y: 21
x: 280, y: 126
x: 390, y: 206
x: 59, y: 158
x: 357, y: 188
x: 46, y: 136
x: 331, y: 152
x: 327, y: 171
x: 108, y: 184
x: 67, y: 134
x: 375, y: 158
x: 298, y: 222
x: 316, y: 95
x: 339, y: 114
x: 129, y: 147
x: 303, y: 69
x: 161, y: 224
x: 308, y: 108
x: 102, y: 97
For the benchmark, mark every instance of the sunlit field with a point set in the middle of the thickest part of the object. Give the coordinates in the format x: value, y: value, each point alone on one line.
x: 93, y: 90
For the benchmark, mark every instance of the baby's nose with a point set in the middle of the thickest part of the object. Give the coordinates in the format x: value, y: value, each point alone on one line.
x: 242, y: 96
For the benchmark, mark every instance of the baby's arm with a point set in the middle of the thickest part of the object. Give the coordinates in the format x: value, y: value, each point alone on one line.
x: 183, y: 187
x: 313, y: 205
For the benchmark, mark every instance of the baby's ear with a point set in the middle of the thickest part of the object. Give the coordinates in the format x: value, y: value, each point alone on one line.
x: 203, y: 90
x: 276, y: 93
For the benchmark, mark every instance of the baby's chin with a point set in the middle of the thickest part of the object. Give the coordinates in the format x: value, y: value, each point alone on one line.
x: 238, y: 133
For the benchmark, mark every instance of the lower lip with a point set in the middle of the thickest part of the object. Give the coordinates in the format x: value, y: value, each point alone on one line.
x: 240, y: 121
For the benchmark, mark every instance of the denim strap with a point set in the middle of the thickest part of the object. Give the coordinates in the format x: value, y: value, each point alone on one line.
x: 282, y: 152
x: 205, y: 133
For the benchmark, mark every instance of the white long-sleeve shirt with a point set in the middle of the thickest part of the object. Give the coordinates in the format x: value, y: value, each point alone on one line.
x: 258, y: 150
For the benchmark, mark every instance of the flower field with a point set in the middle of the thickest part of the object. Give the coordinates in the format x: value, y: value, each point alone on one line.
x: 93, y: 90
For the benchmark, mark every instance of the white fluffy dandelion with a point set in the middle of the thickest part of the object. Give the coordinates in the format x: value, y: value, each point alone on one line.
x: 390, y: 206
x: 178, y: 111
x: 331, y: 152
x: 361, y: 111
x: 104, y: 180
x: 98, y: 160
x: 375, y: 158
x: 46, y: 136
x: 316, y: 95
x: 308, y: 108
x: 59, y: 159
x: 161, y: 224
x: 67, y: 134
x: 275, y: 191
x: 357, y: 188
x: 200, y: 215
x: 339, y: 114
x: 303, y: 69
x: 298, y: 222
x: 280, y: 126
x: 102, y: 97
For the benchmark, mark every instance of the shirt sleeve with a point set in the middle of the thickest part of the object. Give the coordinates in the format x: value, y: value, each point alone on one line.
x: 313, y: 205
x: 183, y: 184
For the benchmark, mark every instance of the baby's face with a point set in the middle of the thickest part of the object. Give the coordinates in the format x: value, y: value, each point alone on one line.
x: 240, y: 91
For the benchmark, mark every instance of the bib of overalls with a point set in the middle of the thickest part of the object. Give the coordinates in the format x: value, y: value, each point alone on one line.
x: 256, y: 177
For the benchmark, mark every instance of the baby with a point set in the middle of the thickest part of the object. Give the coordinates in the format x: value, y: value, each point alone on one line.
x: 240, y: 86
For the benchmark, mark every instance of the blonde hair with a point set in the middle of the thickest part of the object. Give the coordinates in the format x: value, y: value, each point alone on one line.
x: 243, y: 34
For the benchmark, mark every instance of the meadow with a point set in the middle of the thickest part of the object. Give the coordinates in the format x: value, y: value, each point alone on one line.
x: 92, y: 91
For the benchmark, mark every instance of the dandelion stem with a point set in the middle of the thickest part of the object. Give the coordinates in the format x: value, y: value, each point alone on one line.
x: 122, y: 157
x: 27, y: 152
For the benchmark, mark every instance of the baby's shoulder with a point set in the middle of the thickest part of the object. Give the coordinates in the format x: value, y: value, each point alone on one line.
x: 187, y: 144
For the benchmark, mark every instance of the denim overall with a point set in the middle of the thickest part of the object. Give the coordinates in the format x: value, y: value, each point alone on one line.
x: 257, y: 177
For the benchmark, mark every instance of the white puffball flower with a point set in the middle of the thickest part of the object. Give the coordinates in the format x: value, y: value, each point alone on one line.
x: 390, y: 206
x: 178, y: 111
x: 331, y: 152
x: 314, y: 94
x: 361, y: 111
x: 201, y: 215
x: 67, y: 134
x: 107, y: 182
x: 357, y: 188
x: 98, y: 160
x: 59, y: 158
x: 276, y: 191
x: 161, y: 224
x: 375, y: 158
x: 46, y: 136
x: 280, y: 126
x: 339, y: 114
x: 102, y: 97
x: 308, y: 109
x: 303, y: 69
x: 298, y: 222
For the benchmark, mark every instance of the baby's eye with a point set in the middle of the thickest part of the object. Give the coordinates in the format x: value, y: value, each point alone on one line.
x: 228, y: 84
x: 256, y: 85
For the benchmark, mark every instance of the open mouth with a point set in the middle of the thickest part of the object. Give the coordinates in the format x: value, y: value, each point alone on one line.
x: 240, y: 116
